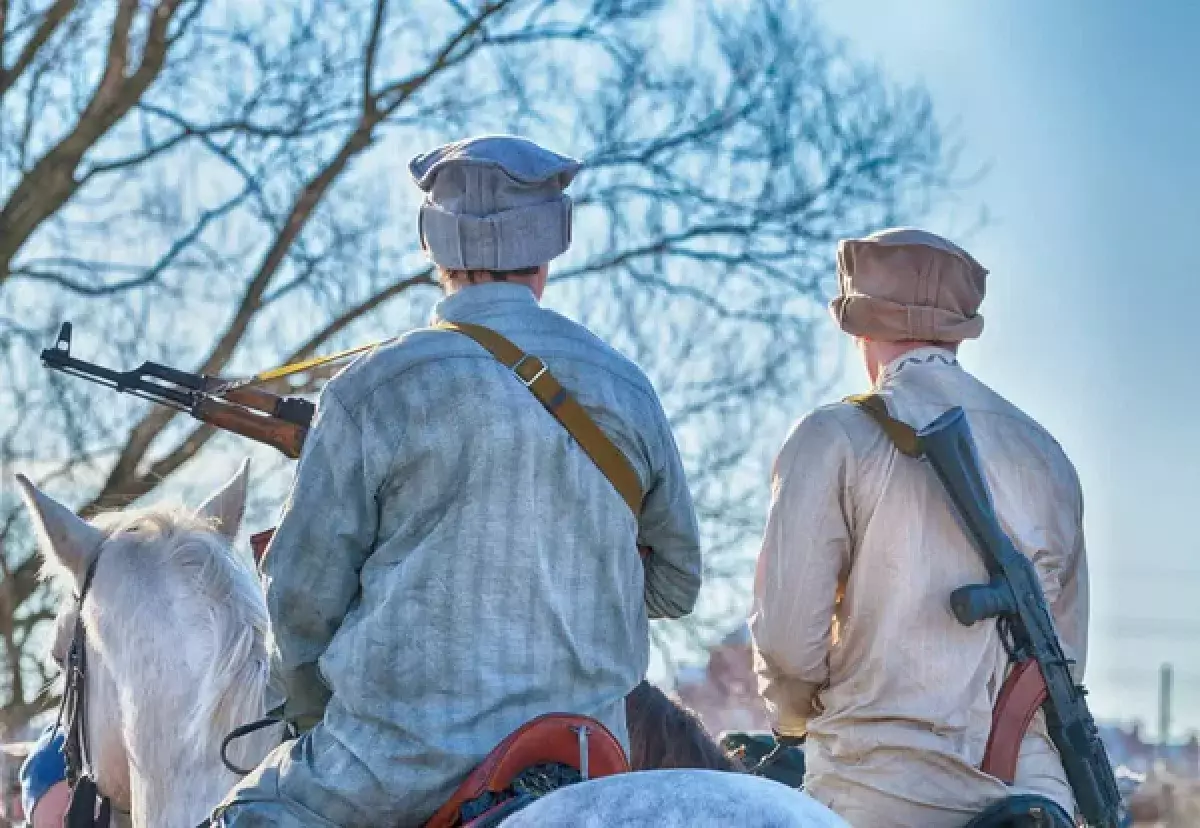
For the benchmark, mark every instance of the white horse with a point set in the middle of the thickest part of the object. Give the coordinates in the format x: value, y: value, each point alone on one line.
x: 176, y: 636
x: 176, y: 628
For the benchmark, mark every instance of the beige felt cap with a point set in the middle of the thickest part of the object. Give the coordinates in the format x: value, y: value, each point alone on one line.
x: 907, y: 284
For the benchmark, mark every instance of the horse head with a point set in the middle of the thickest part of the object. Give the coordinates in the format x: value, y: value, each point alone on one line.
x: 174, y: 629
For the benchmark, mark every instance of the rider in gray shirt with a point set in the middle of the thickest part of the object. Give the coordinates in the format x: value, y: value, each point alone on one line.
x: 450, y: 563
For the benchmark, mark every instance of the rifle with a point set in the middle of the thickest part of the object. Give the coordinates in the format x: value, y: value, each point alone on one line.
x: 1014, y: 596
x: 279, y: 422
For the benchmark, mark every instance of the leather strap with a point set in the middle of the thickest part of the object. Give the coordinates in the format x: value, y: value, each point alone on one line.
x: 903, y: 436
x: 535, y: 376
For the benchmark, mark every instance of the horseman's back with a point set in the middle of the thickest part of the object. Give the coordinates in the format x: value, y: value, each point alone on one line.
x: 504, y: 580
x: 895, y: 696
x: 451, y: 564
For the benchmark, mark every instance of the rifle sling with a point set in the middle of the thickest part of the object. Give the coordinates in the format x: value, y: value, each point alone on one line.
x: 902, y: 435
x: 535, y: 376
x: 1024, y: 689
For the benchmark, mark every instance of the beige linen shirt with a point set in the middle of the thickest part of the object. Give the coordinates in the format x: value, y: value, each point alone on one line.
x: 895, y: 695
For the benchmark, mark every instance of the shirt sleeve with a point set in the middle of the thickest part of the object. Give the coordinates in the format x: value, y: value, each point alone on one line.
x: 311, y: 568
x: 1070, y: 607
x: 668, y: 526
x: 805, y: 556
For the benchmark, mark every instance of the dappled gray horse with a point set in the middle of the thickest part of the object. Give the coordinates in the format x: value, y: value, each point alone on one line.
x: 678, y: 799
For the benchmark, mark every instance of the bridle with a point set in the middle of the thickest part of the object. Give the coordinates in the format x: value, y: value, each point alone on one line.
x: 88, y: 806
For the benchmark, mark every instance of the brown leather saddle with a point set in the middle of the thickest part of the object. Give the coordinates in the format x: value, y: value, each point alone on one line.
x: 577, y: 742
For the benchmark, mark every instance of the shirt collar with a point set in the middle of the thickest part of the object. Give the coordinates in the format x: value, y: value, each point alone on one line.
x: 928, y: 355
x: 475, y: 299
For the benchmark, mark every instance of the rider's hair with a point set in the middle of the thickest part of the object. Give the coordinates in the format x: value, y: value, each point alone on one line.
x: 665, y: 734
x: 475, y: 276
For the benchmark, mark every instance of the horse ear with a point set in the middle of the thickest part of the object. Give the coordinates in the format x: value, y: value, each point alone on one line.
x: 65, y: 538
x: 227, y: 504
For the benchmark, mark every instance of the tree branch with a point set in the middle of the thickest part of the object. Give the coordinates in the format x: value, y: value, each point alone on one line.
x: 347, y: 318
x: 396, y: 94
x: 51, y: 182
x: 372, y: 53
x: 54, y: 17
x: 302, y: 209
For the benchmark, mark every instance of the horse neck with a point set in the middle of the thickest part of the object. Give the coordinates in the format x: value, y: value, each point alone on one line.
x: 174, y: 724
x: 177, y: 777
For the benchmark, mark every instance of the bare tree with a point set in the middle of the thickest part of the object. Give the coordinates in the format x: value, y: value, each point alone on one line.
x: 223, y: 188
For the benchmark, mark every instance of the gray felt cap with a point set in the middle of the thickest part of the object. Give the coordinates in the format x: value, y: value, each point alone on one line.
x: 494, y: 202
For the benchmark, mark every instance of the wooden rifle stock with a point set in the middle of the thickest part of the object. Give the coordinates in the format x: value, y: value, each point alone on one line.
x: 285, y: 436
x: 255, y: 398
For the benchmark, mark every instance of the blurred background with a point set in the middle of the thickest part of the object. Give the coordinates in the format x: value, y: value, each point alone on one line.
x: 222, y: 186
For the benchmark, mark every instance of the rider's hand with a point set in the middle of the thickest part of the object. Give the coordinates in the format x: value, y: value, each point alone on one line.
x: 789, y: 741
x: 50, y: 810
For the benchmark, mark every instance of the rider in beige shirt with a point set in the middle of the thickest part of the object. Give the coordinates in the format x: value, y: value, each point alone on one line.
x: 894, y: 695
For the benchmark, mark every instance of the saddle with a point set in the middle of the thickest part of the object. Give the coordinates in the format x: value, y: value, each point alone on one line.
x: 544, y: 746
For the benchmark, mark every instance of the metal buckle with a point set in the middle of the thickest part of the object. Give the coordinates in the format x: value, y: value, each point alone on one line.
x: 583, y: 731
x: 528, y: 383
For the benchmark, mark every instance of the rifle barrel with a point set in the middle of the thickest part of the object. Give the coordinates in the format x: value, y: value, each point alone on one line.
x: 125, y: 381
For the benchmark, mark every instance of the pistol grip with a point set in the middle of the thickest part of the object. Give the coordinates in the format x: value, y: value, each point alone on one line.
x: 977, y: 602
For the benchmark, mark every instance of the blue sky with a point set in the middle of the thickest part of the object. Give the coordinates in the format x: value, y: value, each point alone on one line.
x: 1088, y: 115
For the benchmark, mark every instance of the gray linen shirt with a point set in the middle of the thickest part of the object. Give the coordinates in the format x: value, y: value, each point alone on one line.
x: 450, y: 564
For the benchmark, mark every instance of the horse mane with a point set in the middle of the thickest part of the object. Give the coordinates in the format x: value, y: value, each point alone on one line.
x: 665, y: 734
x: 231, y: 612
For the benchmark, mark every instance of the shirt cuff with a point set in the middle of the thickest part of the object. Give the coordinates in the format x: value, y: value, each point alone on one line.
x: 790, y: 704
x: 307, y: 696
x: 791, y: 725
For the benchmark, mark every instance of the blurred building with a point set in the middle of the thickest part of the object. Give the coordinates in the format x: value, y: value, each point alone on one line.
x: 723, y: 692
x: 1128, y: 747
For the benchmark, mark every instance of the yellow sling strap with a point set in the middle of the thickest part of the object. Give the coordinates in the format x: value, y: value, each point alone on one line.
x: 902, y: 435
x: 535, y: 376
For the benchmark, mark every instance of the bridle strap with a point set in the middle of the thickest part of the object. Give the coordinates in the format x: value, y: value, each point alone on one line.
x: 244, y: 730
x: 782, y: 745
x: 72, y: 712
x: 82, y: 811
